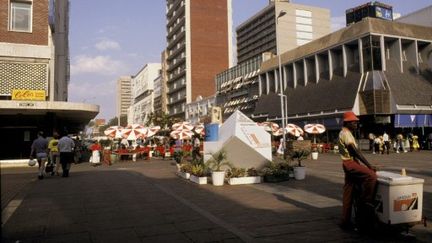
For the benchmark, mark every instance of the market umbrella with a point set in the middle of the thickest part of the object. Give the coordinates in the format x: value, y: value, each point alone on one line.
x: 269, y: 126
x: 199, y: 129
x: 294, y: 130
x: 181, y: 134
x: 114, y: 132
x: 134, y: 131
x: 182, y: 126
x: 278, y: 132
x: 151, y: 131
x: 314, y: 129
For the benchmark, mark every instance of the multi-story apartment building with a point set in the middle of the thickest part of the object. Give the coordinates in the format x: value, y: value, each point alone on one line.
x: 34, y: 74
x: 379, y: 69
x: 124, y: 96
x: 257, y: 40
x: 268, y: 28
x: 142, y: 90
x: 198, y: 47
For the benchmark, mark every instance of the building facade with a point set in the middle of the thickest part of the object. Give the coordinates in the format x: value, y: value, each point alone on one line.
x: 34, y: 75
x: 142, y: 90
x: 263, y: 31
x: 379, y: 69
x: 124, y: 96
x: 237, y: 87
x: 198, y: 47
x: 200, y: 108
x: 420, y: 17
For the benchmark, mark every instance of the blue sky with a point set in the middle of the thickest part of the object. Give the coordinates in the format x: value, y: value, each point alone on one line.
x: 112, y: 38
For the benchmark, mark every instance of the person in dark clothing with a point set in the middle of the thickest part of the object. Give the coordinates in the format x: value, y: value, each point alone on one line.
x: 39, y: 149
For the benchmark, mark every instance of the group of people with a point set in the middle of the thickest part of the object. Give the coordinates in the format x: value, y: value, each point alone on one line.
x: 383, y: 144
x: 53, y: 153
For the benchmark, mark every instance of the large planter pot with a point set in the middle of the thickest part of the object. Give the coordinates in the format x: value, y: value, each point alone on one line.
x: 183, y: 175
x: 299, y: 172
x: 273, y: 178
x: 218, y: 178
x: 314, y: 155
x: 199, y: 180
x: 244, y: 180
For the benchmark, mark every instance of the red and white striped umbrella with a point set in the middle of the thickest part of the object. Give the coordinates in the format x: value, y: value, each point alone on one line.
x: 294, y: 130
x: 314, y: 128
x: 114, y: 132
x: 269, y: 126
x: 278, y: 133
x: 151, y: 131
x: 182, y: 126
x: 134, y: 131
x: 181, y: 134
x: 199, y: 129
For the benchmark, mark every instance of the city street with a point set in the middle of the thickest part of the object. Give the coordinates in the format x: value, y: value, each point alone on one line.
x: 145, y: 201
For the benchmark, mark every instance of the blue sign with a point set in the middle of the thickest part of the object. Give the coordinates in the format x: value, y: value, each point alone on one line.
x: 383, y: 13
x: 413, y: 120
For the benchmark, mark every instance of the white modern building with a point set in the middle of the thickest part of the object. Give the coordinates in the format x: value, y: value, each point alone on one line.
x: 198, y: 109
x: 142, y: 90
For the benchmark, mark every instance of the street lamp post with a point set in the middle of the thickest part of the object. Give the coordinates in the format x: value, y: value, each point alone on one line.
x: 281, y: 13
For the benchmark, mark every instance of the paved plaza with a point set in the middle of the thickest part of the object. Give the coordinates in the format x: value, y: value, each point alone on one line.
x: 145, y: 201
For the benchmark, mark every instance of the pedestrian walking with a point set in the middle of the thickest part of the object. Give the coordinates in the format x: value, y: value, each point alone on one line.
x: 386, y: 140
x: 96, y: 149
x: 39, y: 150
x: 66, y: 148
x: 54, y: 153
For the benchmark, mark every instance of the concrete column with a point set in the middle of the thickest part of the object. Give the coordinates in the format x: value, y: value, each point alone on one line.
x: 276, y: 80
x: 317, y: 69
x: 294, y: 75
x: 330, y: 62
x: 259, y: 85
x: 284, y: 73
x: 305, y: 72
x: 344, y: 61
x: 360, y: 46
x: 383, y: 53
x: 267, y: 83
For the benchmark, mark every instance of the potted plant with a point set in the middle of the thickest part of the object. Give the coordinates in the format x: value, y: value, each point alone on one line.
x: 276, y: 171
x: 215, y: 163
x: 198, y: 174
x: 239, y: 176
x: 314, y: 151
x: 185, y: 170
x: 299, y: 169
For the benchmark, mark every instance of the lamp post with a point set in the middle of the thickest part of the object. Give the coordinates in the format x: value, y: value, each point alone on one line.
x: 281, y: 13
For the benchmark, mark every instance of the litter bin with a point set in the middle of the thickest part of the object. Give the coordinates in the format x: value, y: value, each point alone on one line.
x: 400, y: 198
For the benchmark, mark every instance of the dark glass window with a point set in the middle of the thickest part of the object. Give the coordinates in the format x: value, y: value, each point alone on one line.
x: 371, y: 53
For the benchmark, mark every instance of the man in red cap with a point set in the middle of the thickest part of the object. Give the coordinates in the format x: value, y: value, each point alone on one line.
x: 355, y: 173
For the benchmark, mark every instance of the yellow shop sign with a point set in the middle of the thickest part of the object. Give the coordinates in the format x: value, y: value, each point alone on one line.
x: 25, y: 94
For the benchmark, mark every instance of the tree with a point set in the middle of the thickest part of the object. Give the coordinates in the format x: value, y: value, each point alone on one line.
x: 161, y: 119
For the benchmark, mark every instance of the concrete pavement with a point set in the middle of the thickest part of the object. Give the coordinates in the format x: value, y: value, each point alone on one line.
x: 146, y: 202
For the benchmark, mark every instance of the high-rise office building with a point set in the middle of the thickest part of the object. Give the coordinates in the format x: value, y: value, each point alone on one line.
x: 238, y: 87
x: 124, y: 95
x: 198, y: 47
x: 297, y: 25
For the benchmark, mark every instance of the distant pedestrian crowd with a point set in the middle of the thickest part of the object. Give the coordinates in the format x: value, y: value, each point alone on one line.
x: 381, y: 144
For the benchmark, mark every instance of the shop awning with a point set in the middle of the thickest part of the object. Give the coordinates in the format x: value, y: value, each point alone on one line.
x: 419, y: 120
